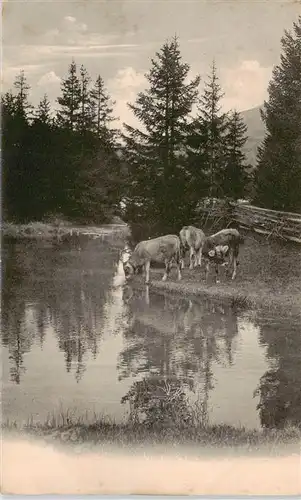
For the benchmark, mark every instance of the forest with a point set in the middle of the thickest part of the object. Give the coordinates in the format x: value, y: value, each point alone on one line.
x: 74, y: 162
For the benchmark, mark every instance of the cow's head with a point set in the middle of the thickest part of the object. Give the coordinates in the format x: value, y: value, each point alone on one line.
x: 125, y: 255
x: 218, y: 254
x: 129, y: 269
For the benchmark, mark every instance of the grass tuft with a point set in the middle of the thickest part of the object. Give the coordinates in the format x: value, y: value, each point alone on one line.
x: 70, y: 428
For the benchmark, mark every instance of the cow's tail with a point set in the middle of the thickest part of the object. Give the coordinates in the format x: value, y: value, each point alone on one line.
x: 180, y: 254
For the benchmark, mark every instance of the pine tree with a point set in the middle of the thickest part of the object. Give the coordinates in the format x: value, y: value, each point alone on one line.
x: 8, y: 104
x: 17, y: 174
x: 207, y: 140
x: 22, y: 106
x: 278, y: 175
x: 102, y: 106
x: 235, y: 169
x: 155, y: 153
x: 85, y: 120
x: 43, y: 111
x: 68, y: 115
x: 8, y: 108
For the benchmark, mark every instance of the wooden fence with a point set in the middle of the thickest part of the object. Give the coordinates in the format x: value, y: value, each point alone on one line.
x: 284, y: 225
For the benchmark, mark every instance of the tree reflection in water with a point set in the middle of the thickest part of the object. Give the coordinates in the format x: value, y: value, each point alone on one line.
x: 63, y: 289
x: 173, y: 341
x: 166, y: 340
x: 279, y: 388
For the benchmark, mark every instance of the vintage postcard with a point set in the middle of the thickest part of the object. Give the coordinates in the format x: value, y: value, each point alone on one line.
x: 151, y: 244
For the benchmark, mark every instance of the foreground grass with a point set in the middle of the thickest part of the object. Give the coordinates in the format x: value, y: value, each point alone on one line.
x: 268, y: 275
x: 104, y: 431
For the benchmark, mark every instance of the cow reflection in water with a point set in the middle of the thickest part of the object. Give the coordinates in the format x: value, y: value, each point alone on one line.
x: 172, y: 338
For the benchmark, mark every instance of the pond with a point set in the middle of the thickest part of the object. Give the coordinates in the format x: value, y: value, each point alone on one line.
x: 75, y: 339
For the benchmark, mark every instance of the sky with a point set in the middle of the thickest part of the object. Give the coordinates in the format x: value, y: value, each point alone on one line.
x: 118, y: 38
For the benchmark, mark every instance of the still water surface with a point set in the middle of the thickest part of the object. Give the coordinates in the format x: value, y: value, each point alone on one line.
x: 75, y: 339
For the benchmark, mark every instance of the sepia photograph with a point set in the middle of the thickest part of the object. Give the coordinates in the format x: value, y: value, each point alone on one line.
x: 151, y: 247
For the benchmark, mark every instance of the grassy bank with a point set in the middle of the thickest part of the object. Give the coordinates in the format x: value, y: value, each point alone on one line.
x: 62, y: 229
x: 101, y: 430
x: 268, y: 275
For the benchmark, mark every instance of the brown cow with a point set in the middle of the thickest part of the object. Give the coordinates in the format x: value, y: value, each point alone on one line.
x: 165, y: 249
x: 220, y: 245
x: 193, y: 238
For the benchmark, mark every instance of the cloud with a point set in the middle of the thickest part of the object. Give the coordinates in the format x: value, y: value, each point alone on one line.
x: 49, y: 78
x: 128, y: 78
x: 245, y: 86
x: 124, y: 88
x: 70, y: 19
x: 72, y: 25
x: 10, y: 72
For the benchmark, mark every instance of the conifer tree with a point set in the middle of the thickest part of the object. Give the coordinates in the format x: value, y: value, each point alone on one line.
x: 235, y: 169
x: 102, y: 110
x: 154, y: 152
x: 68, y: 115
x: 22, y: 106
x: 16, y: 153
x: 206, y: 140
x: 85, y: 120
x: 278, y: 175
x: 8, y: 104
x: 43, y: 111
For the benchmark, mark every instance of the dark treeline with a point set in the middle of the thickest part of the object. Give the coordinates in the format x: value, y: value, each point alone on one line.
x: 65, y: 163
x: 184, y: 148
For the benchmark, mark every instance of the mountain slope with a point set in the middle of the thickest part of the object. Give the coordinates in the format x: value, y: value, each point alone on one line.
x: 256, y: 132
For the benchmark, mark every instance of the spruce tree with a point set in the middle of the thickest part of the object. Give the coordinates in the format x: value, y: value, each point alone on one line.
x: 17, y: 172
x: 102, y: 111
x: 68, y: 114
x: 43, y: 111
x: 278, y: 174
x: 206, y: 140
x: 154, y: 152
x: 85, y: 119
x: 8, y: 105
x: 22, y: 106
x: 235, y: 169
x: 8, y: 108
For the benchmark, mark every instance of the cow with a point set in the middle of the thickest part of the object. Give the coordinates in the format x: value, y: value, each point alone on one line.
x: 125, y: 254
x: 193, y: 238
x: 220, y: 245
x: 165, y: 249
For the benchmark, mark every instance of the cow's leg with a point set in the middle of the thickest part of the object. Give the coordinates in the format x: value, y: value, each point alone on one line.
x: 228, y: 264
x: 234, y: 266
x: 147, y: 266
x: 199, y: 257
x: 167, y: 269
x: 182, y: 257
x: 216, y: 273
x: 147, y: 294
x: 191, y: 255
x: 178, y: 262
x: 207, y: 270
x: 195, y: 262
